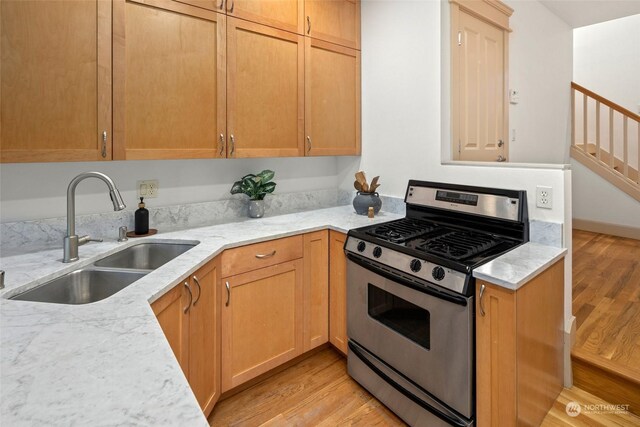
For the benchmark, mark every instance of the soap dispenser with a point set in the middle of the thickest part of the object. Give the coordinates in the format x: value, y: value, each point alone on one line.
x: 142, y: 219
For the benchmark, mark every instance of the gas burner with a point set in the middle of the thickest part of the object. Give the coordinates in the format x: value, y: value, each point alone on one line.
x: 401, y: 230
x: 459, y: 245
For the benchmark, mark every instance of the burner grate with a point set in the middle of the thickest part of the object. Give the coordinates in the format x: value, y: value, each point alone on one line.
x: 459, y: 245
x: 401, y: 230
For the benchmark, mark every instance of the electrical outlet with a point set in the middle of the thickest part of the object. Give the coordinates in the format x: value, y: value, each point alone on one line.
x: 544, y: 197
x: 148, y: 188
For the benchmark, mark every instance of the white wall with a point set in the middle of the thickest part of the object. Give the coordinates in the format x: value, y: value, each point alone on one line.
x: 38, y: 190
x: 606, y: 60
x: 594, y: 199
x: 540, y: 69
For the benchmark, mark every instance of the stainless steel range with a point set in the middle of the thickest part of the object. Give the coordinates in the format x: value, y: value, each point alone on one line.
x: 410, y: 297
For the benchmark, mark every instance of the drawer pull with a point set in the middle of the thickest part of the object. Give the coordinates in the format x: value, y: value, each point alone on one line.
x: 226, y: 284
x: 186, y: 309
x: 482, y: 312
x: 269, y: 255
x: 195, y: 279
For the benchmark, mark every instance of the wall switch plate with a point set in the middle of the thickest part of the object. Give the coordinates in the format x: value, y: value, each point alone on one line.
x: 514, y: 96
x: 148, y: 188
x: 544, y: 197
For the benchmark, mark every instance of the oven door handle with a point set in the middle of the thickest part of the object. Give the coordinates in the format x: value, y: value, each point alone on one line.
x: 446, y: 418
x: 425, y: 289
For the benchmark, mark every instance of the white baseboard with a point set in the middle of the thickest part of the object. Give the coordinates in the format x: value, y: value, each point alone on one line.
x: 569, y: 340
x: 607, y: 228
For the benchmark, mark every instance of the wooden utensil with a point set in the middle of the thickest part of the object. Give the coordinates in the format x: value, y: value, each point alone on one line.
x: 374, y: 184
x: 357, y: 185
x: 361, y: 178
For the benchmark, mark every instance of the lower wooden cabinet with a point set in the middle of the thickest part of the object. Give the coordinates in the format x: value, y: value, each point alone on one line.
x: 262, y: 321
x: 519, y: 342
x: 189, y: 317
x: 337, y: 291
x: 316, y: 289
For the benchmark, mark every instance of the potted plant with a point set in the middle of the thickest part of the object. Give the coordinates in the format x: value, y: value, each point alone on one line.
x: 256, y: 187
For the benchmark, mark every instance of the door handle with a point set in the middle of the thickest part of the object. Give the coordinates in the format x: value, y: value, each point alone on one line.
x: 221, y: 144
x: 482, y: 312
x: 226, y: 284
x: 186, y: 308
x: 233, y: 145
x: 308, y: 24
x: 197, y: 282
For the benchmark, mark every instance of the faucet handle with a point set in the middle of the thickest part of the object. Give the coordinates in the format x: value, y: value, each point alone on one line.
x: 122, y: 234
x: 86, y: 239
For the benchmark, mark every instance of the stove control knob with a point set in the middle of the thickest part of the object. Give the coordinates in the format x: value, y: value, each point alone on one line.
x: 415, y: 265
x: 438, y: 273
x: 361, y: 246
x: 377, y: 251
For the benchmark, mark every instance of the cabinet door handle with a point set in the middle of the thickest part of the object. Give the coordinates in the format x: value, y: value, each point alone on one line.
x: 308, y: 24
x: 104, y: 144
x: 308, y: 144
x: 482, y: 312
x: 233, y: 3
x: 221, y: 4
x: 501, y: 158
x: 226, y: 284
x: 197, y: 282
x: 186, y: 308
x: 269, y: 255
x: 233, y: 145
x: 221, y: 144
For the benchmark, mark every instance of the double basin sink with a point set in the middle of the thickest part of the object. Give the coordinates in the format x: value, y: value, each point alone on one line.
x: 106, y: 276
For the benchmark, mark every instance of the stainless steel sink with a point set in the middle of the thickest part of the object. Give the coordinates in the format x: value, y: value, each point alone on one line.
x: 145, y: 256
x: 81, y: 286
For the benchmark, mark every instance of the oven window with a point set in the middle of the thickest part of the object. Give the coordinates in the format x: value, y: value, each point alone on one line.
x: 405, y: 318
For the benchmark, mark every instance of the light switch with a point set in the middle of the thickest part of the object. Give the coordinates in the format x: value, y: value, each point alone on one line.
x: 514, y: 96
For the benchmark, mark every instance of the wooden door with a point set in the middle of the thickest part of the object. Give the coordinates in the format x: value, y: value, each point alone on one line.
x: 262, y: 321
x: 495, y: 355
x: 171, y: 309
x: 337, y: 291
x: 265, y: 98
x: 332, y: 99
x: 335, y: 21
x: 316, y: 289
x: 285, y: 15
x: 480, y: 81
x: 55, y: 78
x: 169, y: 81
x: 204, y: 337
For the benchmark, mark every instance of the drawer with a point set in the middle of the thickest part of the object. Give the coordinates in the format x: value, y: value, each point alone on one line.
x: 258, y: 255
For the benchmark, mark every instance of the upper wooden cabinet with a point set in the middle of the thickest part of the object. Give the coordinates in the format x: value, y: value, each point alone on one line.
x: 332, y: 99
x: 55, y: 102
x: 335, y: 21
x: 169, y: 81
x: 265, y: 97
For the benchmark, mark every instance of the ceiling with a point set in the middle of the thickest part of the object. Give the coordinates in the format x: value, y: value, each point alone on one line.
x: 578, y: 13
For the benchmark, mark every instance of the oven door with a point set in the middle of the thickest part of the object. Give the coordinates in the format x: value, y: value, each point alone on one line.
x: 424, y: 334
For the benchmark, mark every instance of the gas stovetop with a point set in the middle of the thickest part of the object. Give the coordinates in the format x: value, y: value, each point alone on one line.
x: 449, y: 230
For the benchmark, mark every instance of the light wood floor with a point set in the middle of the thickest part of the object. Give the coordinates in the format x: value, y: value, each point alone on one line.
x: 318, y: 392
x: 606, y: 297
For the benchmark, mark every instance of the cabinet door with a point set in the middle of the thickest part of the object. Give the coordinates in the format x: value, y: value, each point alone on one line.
x: 55, y: 78
x: 335, y: 21
x: 495, y: 355
x: 332, y: 99
x: 337, y: 291
x: 261, y: 321
x: 169, y: 81
x: 172, y: 312
x: 316, y: 289
x: 286, y: 15
x: 204, y: 337
x: 265, y: 97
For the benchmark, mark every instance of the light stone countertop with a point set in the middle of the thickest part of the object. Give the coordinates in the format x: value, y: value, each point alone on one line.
x: 519, y: 265
x: 108, y: 363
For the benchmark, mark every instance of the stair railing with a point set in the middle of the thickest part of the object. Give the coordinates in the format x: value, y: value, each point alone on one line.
x: 604, y: 159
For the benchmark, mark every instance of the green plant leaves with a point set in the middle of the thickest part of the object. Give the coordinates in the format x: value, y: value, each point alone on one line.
x: 255, y: 186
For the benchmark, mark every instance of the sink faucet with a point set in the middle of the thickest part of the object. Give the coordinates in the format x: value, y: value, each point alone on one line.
x: 71, y: 240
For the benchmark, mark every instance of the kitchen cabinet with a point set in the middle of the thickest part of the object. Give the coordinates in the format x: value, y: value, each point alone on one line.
x: 519, y: 347
x: 262, y: 309
x: 189, y: 317
x: 332, y: 99
x: 55, y: 78
x: 316, y: 289
x: 169, y: 83
x: 265, y: 97
x: 337, y: 291
x: 335, y: 21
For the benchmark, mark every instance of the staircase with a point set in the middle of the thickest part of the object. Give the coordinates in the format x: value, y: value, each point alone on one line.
x: 606, y: 139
